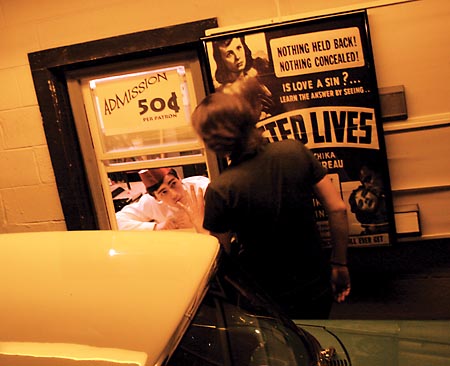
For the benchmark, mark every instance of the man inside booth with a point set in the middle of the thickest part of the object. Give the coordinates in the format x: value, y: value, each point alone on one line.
x: 170, y: 203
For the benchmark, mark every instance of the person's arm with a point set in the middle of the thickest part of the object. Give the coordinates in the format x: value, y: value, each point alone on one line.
x: 338, y: 222
x: 145, y: 214
x: 133, y: 217
x: 221, y: 231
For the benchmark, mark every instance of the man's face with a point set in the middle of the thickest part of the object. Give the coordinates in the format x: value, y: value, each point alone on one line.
x: 366, y: 201
x: 171, y: 191
x: 233, y: 56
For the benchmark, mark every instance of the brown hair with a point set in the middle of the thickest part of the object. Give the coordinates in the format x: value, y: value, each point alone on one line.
x: 226, y: 123
x: 222, y: 74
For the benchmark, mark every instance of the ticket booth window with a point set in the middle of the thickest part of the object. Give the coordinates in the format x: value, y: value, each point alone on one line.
x: 136, y: 116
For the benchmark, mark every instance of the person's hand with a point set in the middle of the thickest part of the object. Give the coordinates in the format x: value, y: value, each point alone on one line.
x: 183, y: 221
x: 169, y: 224
x: 340, y: 282
x: 194, y: 208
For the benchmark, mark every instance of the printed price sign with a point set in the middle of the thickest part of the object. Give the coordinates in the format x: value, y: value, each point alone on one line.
x: 152, y: 100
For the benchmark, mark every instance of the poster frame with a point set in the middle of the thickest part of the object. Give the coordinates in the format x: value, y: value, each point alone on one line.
x: 319, y: 25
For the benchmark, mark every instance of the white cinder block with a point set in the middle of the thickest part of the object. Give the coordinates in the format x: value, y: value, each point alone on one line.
x: 9, y: 92
x: 22, y: 127
x: 38, y: 203
x: 15, y: 44
x: 26, y: 86
x: 44, y: 164
x: 18, y: 168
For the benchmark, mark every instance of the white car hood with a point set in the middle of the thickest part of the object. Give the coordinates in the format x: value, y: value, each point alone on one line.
x: 99, y: 297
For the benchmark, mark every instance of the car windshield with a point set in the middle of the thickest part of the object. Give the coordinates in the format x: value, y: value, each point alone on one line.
x: 236, y: 325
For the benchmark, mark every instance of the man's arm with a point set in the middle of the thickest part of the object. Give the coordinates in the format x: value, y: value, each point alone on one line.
x: 145, y: 214
x: 337, y: 218
x: 133, y: 217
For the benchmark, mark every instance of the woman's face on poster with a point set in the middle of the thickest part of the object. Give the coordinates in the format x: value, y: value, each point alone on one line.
x: 233, y: 56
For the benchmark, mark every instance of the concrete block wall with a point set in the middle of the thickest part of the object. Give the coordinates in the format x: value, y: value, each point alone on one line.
x: 29, y: 198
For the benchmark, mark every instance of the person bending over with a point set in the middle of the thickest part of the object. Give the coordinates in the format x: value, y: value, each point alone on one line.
x: 170, y: 203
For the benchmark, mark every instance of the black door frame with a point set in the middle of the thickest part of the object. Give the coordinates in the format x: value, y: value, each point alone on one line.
x: 49, y: 70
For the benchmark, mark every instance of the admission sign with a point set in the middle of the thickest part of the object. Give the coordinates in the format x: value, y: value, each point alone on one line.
x: 142, y: 101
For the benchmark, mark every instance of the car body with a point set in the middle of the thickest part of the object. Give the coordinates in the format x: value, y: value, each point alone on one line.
x: 142, y: 298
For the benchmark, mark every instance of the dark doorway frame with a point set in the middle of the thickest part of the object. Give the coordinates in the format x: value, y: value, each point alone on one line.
x: 49, y: 70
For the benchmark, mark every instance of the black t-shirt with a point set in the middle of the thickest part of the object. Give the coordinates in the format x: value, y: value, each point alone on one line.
x: 266, y: 200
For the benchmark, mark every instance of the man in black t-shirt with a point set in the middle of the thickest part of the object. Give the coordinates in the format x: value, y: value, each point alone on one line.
x: 264, y: 200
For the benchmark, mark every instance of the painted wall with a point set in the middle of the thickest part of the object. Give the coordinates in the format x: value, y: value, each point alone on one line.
x: 410, y: 45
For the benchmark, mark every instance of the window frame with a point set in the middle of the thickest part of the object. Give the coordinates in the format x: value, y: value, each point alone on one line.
x: 50, y: 69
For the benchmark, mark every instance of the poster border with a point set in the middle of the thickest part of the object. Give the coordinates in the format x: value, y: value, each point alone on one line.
x: 361, y: 19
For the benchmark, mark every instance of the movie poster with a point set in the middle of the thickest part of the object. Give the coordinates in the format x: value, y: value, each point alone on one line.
x: 318, y: 85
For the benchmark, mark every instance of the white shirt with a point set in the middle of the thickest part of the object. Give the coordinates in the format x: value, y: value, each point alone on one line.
x: 147, y: 212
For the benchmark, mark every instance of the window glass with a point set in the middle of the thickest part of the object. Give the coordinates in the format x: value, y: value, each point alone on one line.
x: 144, y: 108
x: 127, y: 187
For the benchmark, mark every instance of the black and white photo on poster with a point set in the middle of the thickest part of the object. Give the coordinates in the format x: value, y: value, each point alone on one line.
x: 317, y: 84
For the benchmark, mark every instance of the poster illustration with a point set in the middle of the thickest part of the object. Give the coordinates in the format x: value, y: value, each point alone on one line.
x: 318, y: 85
